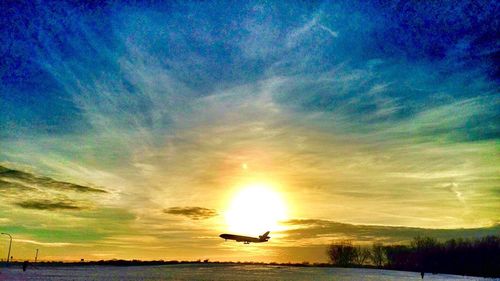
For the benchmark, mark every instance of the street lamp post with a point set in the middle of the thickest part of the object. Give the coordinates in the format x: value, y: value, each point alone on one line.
x: 10, y: 245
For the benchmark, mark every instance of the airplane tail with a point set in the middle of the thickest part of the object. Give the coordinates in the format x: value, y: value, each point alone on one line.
x: 265, y: 236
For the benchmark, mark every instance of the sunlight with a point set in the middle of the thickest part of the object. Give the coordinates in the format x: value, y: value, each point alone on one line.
x: 255, y: 209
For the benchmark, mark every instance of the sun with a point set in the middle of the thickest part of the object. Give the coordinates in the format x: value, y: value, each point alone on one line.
x: 255, y: 209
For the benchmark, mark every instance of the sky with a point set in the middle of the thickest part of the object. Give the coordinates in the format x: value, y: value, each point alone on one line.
x: 144, y: 130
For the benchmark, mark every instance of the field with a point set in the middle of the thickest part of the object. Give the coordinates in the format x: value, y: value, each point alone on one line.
x: 214, y: 272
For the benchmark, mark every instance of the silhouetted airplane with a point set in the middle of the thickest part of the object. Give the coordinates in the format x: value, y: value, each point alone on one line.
x: 246, y: 239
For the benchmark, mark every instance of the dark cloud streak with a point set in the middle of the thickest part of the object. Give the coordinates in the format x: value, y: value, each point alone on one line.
x: 13, y: 186
x: 48, y: 205
x: 315, y: 228
x: 194, y: 213
x: 19, y: 179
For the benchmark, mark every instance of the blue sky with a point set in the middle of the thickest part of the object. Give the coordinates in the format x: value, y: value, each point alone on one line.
x: 369, y: 113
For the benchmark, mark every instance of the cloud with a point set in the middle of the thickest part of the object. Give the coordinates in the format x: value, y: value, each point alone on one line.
x: 48, y: 205
x: 194, y: 213
x: 11, y: 178
x: 30, y: 191
x: 312, y: 229
x: 331, y: 32
x: 453, y: 187
x: 14, y: 186
x: 45, y: 244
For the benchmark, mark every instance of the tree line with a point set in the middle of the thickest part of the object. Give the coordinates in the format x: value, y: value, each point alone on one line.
x: 474, y: 257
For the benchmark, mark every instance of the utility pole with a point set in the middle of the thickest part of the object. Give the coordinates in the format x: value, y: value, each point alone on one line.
x: 10, y: 245
x: 36, y: 255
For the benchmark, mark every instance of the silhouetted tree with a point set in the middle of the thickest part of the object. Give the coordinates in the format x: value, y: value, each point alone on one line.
x: 362, y: 255
x: 398, y: 256
x: 378, y: 254
x: 478, y: 257
x: 425, y: 252
x: 342, y: 253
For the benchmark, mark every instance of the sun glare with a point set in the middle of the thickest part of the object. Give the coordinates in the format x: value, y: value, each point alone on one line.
x: 255, y: 209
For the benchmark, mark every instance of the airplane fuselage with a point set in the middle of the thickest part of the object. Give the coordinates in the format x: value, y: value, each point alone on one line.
x: 245, y: 239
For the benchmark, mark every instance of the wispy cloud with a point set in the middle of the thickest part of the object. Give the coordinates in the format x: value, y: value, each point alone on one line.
x: 307, y: 229
x: 330, y: 31
x: 194, y: 213
x: 45, y: 244
x: 48, y: 205
x: 19, y: 179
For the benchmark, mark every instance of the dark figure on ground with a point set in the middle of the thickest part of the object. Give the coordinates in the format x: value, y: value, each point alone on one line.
x: 422, y: 274
x: 25, y: 265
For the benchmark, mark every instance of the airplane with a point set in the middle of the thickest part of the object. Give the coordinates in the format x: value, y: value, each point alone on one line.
x: 246, y: 239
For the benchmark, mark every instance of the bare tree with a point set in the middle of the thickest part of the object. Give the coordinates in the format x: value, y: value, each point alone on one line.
x: 342, y: 253
x: 378, y: 254
x: 362, y: 255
